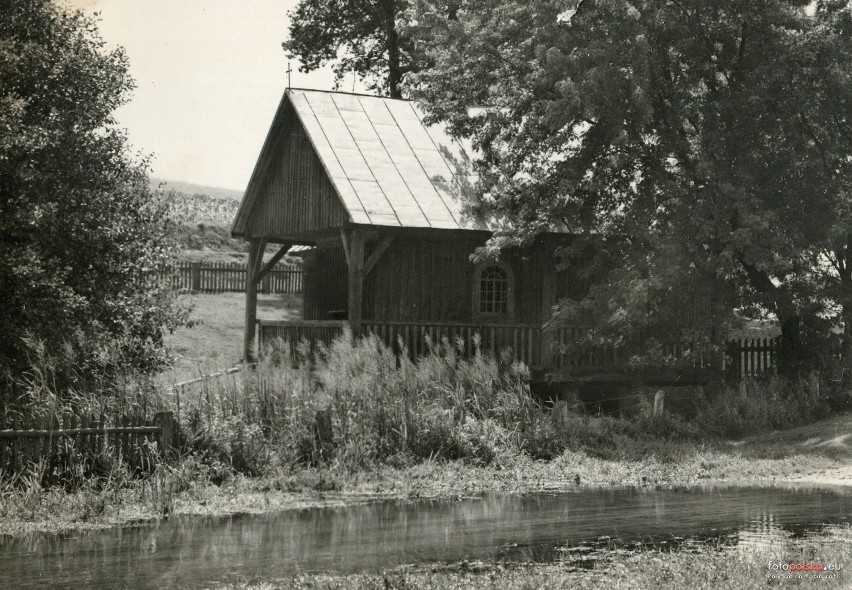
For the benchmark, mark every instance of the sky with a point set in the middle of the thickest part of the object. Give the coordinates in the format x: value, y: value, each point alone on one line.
x: 209, y: 76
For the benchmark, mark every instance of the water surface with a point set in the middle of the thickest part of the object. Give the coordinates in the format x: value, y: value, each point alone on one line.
x: 199, y: 552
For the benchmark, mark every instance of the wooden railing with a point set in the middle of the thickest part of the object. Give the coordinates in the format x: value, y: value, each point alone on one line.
x: 537, y: 348
x: 221, y: 277
x: 566, y: 356
x: 293, y: 332
x: 522, y: 340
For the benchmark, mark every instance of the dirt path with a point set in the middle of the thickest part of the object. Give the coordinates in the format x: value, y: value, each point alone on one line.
x: 828, y: 440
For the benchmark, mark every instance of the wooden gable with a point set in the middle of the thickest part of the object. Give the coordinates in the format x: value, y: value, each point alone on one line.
x: 290, y: 194
x: 334, y: 158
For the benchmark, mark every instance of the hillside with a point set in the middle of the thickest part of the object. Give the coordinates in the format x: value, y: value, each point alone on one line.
x: 203, y: 221
x: 200, y: 208
x: 203, y: 230
x: 189, y: 188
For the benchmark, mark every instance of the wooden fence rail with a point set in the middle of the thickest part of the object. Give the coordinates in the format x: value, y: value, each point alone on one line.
x: 523, y: 340
x: 85, y: 437
x: 744, y: 358
x: 293, y: 332
x: 222, y: 277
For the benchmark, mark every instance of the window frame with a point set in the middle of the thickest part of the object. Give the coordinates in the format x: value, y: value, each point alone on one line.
x: 493, y: 317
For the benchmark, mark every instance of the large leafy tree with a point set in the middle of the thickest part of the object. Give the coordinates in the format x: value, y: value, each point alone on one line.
x: 703, y: 146
x: 81, y: 236
x: 375, y: 39
x: 365, y: 37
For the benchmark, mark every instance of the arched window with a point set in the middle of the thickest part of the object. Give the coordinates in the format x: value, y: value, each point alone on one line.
x: 494, y: 291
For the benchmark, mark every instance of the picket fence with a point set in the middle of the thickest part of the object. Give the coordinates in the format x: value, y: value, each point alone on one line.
x: 82, y: 439
x: 751, y: 358
x: 221, y: 277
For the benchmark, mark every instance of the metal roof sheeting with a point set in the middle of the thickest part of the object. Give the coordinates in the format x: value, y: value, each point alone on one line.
x: 388, y: 168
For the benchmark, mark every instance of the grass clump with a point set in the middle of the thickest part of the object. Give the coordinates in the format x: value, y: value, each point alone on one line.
x: 355, y: 405
x: 359, y: 404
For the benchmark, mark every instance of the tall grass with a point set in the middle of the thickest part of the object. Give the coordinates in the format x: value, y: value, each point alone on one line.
x: 355, y: 404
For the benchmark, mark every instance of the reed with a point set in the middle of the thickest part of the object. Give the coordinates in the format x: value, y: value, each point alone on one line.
x: 355, y: 403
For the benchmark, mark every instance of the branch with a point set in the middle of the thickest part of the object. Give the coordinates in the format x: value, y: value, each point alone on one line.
x: 817, y: 142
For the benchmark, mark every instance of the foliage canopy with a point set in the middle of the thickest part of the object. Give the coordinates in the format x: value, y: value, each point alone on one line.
x: 81, y: 235
x: 704, y: 145
x: 361, y: 37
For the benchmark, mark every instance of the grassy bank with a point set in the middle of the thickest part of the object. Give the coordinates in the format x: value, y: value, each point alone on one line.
x: 354, y: 422
x: 192, y: 487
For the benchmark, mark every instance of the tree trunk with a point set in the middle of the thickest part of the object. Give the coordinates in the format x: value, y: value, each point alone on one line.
x: 844, y: 257
x: 392, y: 40
x: 792, y: 355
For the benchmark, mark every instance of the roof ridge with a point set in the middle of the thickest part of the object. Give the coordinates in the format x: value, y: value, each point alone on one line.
x: 286, y: 90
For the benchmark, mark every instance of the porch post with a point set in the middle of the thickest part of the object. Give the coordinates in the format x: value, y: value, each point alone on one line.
x: 256, y: 247
x: 355, y: 300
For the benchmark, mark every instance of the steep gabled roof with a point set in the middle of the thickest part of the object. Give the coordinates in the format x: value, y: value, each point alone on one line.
x: 386, y: 167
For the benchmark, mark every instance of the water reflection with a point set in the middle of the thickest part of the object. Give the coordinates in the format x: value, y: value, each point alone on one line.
x: 195, y: 552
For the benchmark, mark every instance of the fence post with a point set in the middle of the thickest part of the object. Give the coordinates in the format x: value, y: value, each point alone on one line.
x: 813, y: 384
x: 168, y: 435
x: 196, y: 276
x: 659, y: 403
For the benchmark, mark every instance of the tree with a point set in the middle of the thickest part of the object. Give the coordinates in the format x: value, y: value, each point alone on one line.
x: 371, y: 38
x: 361, y: 37
x: 81, y: 236
x: 705, y: 144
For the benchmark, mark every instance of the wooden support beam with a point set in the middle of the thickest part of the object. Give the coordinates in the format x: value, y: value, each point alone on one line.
x: 381, y: 247
x: 255, y: 253
x: 344, y: 237
x: 261, y: 249
x: 355, y: 260
x: 273, y: 261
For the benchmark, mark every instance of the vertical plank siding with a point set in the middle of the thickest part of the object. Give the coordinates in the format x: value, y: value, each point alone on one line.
x: 325, y: 284
x: 296, y: 194
x: 224, y: 277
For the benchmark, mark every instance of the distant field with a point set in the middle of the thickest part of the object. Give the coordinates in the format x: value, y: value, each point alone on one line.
x: 200, y: 208
x: 190, y: 189
x: 215, y: 342
x: 209, y: 243
x: 203, y: 217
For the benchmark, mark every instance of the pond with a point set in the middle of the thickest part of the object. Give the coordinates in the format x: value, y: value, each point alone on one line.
x: 199, y: 552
